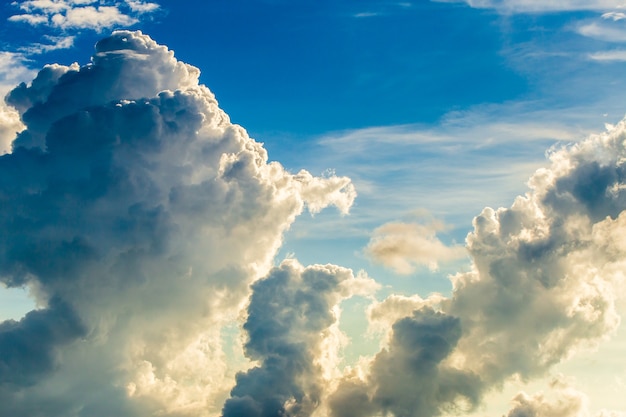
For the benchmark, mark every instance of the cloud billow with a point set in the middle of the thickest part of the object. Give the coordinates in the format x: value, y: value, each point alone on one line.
x: 290, y: 310
x: 139, y: 215
x: 546, y: 274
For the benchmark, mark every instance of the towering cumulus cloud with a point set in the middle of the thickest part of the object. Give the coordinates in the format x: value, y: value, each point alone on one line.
x: 290, y: 314
x: 138, y: 215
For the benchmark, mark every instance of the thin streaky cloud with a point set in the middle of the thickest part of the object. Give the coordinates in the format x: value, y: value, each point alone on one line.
x: 604, y: 30
x: 609, y: 56
x: 541, y: 6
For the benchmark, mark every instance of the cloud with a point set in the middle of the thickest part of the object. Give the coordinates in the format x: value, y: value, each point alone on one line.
x: 609, y: 56
x: 609, y: 28
x: 142, y: 7
x: 140, y: 215
x: 425, y: 163
x: 72, y: 14
x: 52, y: 44
x: 13, y: 70
x: 142, y: 219
x: 90, y: 17
x: 615, y: 16
x: 561, y: 400
x: 543, y: 285
x: 291, y: 312
x: 410, y: 377
x: 402, y: 246
x: 539, y: 6
x: 29, y: 346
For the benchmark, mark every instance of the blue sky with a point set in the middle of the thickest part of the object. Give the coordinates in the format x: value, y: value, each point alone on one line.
x: 430, y: 111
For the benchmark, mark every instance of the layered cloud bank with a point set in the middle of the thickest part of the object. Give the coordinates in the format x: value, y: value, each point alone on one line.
x: 146, y: 223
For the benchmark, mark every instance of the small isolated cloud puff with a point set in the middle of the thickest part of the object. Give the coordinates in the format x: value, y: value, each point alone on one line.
x: 403, y: 246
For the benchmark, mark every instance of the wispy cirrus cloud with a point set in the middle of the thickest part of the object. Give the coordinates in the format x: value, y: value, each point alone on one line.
x: 609, y: 56
x: 541, y: 6
x: 424, y: 162
x: 609, y: 27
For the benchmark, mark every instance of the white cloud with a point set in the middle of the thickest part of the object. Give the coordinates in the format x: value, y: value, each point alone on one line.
x: 83, y: 14
x: 142, y: 7
x: 13, y: 70
x: 425, y: 163
x: 545, y: 278
x: 540, y: 6
x: 291, y: 313
x: 92, y: 18
x: 615, y: 16
x: 609, y: 56
x: 565, y: 402
x: 608, y: 31
x: 402, y: 246
x: 142, y: 215
x: 560, y: 400
x: 52, y: 44
x: 31, y: 19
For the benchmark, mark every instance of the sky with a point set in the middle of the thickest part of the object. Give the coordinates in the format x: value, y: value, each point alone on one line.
x: 263, y: 208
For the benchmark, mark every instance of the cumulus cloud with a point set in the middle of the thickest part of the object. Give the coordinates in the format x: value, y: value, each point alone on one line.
x: 291, y: 312
x: 410, y: 377
x: 544, y: 280
x: 13, y: 70
x: 85, y: 14
x: 140, y: 215
x: 561, y: 400
x: 403, y: 246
